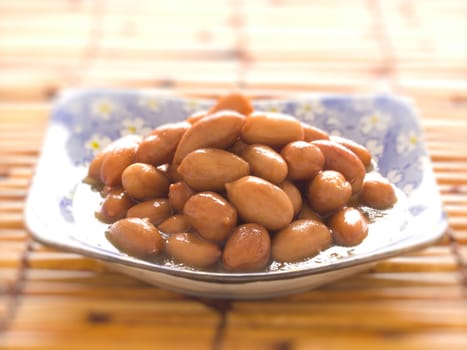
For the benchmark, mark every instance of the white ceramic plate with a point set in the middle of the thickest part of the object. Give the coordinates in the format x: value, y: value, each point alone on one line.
x: 60, y: 208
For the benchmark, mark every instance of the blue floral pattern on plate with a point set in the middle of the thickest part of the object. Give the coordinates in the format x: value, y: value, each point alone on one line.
x: 84, y: 122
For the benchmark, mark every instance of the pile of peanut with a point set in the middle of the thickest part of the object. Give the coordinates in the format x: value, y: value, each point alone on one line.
x: 235, y: 189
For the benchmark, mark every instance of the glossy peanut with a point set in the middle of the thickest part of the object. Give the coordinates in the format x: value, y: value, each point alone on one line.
x: 266, y: 163
x: 156, y: 210
x: 349, y: 227
x: 360, y: 151
x: 328, y: 191
x: 136, y: 237
x: 159, y: 146
x: 307, y: 213
x: 94, y: 169
x: 339, y: 158
x: 294, y: 195
x: 114, y: 206
x: 174, y: 224
x: 271, y: 129
x: 377, y: 192
x: 247, y: 249
x: 211, y: 215
x: 120, y: 155
x: 303, y: 159
x: 210, y: 168
x: 179, y: 193
x: 197, y: 116
x: 260, y: 201
x: 300, y: 240
x: 312, y: 133
x: 192, y: 250
x: 235, y: 102
x: 143, y: 181
x: 219, y: 130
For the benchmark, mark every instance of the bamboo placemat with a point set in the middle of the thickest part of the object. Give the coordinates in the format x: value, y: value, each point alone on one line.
x: 56, y: 300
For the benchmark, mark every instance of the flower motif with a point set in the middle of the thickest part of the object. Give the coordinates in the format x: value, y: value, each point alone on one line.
x: 308, y: 110
x: 408, y: 189
x: 394, y: 176
x: 273, y: 107
x: 407, y: 142
x: 97, y: 143
x: 363, y: 104
x: 151, y: 103
x: 374, y: 121
x: 191, y: 106
x: 102, y: 108
x: 333, y: 124
x: 375, y: 147
x: 134, y: 126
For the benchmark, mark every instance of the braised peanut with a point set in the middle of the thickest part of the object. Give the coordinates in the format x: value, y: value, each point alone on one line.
x: 247, y: 249
x: 271, y: 129
x: 265, y: 163
x: 292, y: 189
x: 114, y: 206
x: 328, y: 191
x: 156, y: 210
x: 94, y: 169
x: 294, y: 195
x: 218, y: 130
x: 193, y: 118
x: 377, y: 192
x: 234, y: 102
x: 159, y: 146
x: 210, y: 168
x: 120, y: 155
x: 304, y: 160
x: 341, y: 159
x: 143, y: 181
x: 179, y: 193
x: 174, y: 224
x: 300, y: 240
x: 136, y: 237
x: 261, y: 202
x: 211, y: 215
x: 312, y: 133
x: 307, y: 213
x: 360, y: 151
x: 349, y: 227
x: 192, y: 250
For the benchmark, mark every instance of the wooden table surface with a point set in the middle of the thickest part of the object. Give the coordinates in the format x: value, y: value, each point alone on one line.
x: 56, y: 300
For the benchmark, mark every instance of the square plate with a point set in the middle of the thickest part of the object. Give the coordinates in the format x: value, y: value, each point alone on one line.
x: 60, y: 208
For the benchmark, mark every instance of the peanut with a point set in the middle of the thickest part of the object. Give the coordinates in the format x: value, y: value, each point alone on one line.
x: 260, y: 201
x: 339, y: 158
x: 192, y: 250
x: 159, y: 146
x: 271, y: 129
x: 156, y: 210
x: 211, y: 215
x: 266, y: 163
x: 349, y: 227
x: 136, y: 237
x: 304, y: 160
x: 247, y: 249
x: 218, y: 130
x: 210, y: 168
x: 300, y: 240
